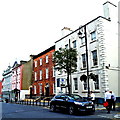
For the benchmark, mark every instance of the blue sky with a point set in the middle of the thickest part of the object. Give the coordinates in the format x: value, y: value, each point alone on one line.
x: 31, y: 26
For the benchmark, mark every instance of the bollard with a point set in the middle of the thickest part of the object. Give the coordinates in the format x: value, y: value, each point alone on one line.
x: 33, y: 102
x: 40, y: 103
x: 48, y: 102
x: 44, y: 103
x: 30, y: 101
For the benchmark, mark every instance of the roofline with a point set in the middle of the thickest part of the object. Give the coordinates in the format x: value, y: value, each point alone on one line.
x: 82, y: 26
x: 110, y: 3
x: 45, y: 51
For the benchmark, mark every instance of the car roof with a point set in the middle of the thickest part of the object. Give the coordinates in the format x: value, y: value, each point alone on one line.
x: 66, y: 94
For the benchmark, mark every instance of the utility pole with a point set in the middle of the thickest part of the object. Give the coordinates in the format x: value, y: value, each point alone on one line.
x: 87, y: 63
x: 70, y: 69
x: 87, y: 60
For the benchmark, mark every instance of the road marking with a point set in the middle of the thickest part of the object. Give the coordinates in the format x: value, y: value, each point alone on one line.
x: 117, y: 116
x: 103, y: 116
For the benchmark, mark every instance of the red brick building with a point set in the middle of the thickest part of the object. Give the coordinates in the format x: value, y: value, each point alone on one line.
x: 44, y: 77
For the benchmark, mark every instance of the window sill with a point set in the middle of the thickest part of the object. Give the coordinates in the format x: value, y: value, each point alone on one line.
x: 75, y: 91
x: 92, y: 41
x: 83, y: 68
x: 96, y: 66
x: 82, y: 45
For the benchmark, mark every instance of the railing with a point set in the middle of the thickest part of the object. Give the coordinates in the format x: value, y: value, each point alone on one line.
x: 33, y: 102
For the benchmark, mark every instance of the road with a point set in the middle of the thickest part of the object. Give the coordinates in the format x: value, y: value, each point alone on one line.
x: 26, y: 111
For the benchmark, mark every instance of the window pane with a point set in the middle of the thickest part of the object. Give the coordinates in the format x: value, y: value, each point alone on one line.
x: 94, y: 54
x: 83, y: 40
x: 74, y: 44
x: 40, y: 74
x: 93, y: 35
x: 96, y: 82
x: 46, y: 58
x: 84, y: 60
x: 58, y: 82
x: 75, y: 83
x: 40, y: 61
x: 46, y: 73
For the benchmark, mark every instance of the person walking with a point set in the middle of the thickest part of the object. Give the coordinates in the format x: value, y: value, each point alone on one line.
x: 113, y: 100
x: 93, y: 96
x: 107, y: 98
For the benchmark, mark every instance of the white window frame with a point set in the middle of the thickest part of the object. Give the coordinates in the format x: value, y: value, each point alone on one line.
x: 35, y: 63
x: 95, y: 36
x: 40, y: 74
x: 47, y: 72
x: 40, y: 88
x: 75, y: 80
x: 46, y: 58
x: 40, y: 61
x: 74, y: 44
x: 84, y: 61
x: 93, y: 62
x: 83, y: 40
x: 35, y: 76
x: 35, y: 89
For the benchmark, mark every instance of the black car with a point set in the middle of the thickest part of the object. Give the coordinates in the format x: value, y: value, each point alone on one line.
x: 72, y: 103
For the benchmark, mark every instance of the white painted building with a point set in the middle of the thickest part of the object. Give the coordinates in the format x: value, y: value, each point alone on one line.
x: 102, y: 45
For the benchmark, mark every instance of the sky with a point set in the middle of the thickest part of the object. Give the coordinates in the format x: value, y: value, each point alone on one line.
x: 32, y: 26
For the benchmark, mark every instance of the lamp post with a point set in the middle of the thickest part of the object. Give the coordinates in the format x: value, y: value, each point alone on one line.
x: 86, y: 56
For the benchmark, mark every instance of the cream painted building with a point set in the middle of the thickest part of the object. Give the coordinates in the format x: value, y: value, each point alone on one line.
x: 102, y: 45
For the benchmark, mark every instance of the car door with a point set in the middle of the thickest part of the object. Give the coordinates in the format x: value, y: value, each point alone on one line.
x: 63, y: 102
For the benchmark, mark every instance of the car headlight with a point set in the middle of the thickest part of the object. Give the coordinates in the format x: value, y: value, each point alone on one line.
x: 78, y: 103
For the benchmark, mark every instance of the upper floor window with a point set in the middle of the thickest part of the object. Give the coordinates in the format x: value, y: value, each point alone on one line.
x: 40, y: 61
x: 66, y: 46
x: 82, y: 40
x: 46, y: 58
x: 94, y: 56
x: 35, y: 63
x: 46, y: 73
x: 74, y: 44
x: 93, y: 35
x: 84, y: 60
x: 35, y: 76
x: 40, y: 74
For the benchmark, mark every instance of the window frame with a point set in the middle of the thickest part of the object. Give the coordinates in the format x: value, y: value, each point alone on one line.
x: 41, y: 61
x: 94, y: 60
x: 47, y: 73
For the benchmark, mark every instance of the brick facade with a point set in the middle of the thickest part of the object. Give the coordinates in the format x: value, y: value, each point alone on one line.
x: 43, y: 83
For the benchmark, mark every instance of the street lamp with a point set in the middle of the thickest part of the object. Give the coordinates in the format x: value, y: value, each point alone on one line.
x: 79, y: 34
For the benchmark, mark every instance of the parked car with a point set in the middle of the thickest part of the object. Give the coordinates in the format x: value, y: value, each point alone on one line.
x: 72, y: 103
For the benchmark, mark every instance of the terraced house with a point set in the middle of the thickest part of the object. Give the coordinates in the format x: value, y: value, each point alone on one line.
x: 44, y: 76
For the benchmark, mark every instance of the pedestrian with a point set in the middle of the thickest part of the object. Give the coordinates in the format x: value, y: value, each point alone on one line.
x: 107, y: 98
x: 93, y: 96
x: 113, y: 100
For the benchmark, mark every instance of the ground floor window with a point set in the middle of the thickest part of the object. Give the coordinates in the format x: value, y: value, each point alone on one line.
x: 75, y: 84
x: 85, y: 85
x: 96, y: 83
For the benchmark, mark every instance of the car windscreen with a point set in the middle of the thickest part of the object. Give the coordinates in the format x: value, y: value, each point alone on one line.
x: 76, y: 97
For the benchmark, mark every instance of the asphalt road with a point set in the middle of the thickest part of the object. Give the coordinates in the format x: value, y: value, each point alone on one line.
x: 11, y: 111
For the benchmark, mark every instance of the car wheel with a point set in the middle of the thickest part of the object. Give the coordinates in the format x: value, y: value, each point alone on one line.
x: 71, y: 110
x: 52, y: 108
